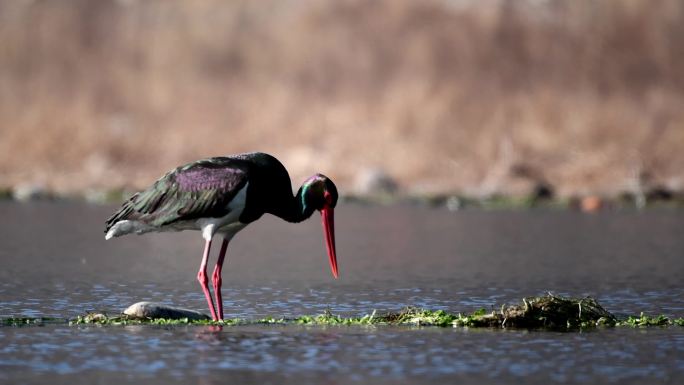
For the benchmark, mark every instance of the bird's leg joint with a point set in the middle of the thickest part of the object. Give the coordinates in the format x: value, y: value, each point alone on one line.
x: 216, y: 277
x: 202, y: 277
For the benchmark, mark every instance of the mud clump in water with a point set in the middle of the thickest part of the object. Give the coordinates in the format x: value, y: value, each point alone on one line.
x: 548, y: 311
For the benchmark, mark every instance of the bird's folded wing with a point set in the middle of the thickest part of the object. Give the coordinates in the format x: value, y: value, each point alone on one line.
x: 200, y: 190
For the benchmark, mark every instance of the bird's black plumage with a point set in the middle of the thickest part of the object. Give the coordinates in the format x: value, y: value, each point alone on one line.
x: 203, y: 189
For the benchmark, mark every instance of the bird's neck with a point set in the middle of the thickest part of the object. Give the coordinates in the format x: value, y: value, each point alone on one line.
x: 295, y: 209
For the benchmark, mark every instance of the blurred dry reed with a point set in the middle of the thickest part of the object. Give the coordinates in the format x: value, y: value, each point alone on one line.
x: 477, y: 97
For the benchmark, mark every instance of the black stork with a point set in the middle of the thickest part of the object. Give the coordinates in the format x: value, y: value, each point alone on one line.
x: 220, y: 196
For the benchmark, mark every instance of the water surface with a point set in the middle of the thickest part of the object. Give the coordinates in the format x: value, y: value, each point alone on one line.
x: 56, y: 263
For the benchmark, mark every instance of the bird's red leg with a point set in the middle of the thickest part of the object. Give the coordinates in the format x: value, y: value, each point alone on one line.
x: 216, y: 278
x: 202, y: 278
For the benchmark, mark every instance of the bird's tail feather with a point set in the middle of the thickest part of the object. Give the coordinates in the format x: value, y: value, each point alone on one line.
x: 124, y: 213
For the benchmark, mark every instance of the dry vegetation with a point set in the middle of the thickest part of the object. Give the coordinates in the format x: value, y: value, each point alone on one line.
x: 467, y: 96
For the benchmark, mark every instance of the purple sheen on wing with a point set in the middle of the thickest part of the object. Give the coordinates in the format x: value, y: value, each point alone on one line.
x: 208, y: 178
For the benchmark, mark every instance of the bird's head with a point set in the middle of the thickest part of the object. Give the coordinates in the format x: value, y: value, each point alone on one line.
x: 319, y: 193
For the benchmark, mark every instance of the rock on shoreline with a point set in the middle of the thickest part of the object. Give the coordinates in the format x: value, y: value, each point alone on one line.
x: 153, y: 310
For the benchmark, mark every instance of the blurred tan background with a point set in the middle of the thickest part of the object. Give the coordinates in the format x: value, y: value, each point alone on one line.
x: 471, y: 97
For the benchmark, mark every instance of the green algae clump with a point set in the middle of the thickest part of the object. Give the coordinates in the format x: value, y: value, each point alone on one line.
x: 29, y: 321
x: 645, y: 320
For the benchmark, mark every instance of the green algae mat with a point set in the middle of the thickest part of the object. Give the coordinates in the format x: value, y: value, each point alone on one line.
x: 550, y: 312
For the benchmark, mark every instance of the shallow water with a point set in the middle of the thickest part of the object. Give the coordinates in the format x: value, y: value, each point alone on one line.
x: 55, y: 263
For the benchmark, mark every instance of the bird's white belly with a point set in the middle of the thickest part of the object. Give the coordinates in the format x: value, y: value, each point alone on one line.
x: 227, y: 225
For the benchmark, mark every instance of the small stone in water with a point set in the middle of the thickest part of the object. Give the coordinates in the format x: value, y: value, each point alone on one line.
x: 159, y: 310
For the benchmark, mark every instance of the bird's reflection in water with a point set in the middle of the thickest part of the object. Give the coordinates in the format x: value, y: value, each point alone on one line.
x: 210, y: 333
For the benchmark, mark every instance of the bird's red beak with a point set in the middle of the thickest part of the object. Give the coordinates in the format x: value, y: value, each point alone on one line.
x: 328, y: 218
